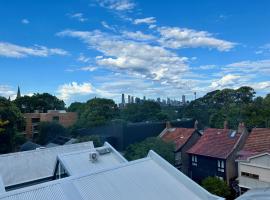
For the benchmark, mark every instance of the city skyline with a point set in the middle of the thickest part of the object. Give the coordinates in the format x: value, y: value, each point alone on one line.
x: 87, y: 48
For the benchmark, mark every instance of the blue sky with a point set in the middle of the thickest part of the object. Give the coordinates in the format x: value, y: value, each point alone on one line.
x: 79, y: 49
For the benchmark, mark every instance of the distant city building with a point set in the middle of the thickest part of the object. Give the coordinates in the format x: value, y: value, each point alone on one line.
x: 64, y: 118
x: 129, y: 101
x: 183, y: 99
x: 132, y: 99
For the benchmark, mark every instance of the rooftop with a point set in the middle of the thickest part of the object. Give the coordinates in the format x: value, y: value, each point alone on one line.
x: 148, y: 178
x: 177, y: 135
x: 22, y: 167
x: 257, y: 142
x: 78, y: 162
x: 218, y: 143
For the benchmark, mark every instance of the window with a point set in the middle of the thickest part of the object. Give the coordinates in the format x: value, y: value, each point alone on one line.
x: 56, y: 118
x: 249, y: 175
x: 194, y: 160
x: 220, y: 165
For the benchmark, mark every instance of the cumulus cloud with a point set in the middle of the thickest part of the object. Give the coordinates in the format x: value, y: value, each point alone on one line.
x: 175, y: 37
x: 117, y: 5
x: 133, y: 57
x: 67, y: 90
x: 147, y: 20
x: 78, y: 16
x: 7, y: 91
x: 16, y: 51
x: 229, y: 80
x: 138, y: 35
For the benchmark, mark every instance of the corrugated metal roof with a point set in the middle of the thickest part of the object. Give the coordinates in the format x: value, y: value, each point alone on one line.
x: 78, y: 162
x: 21, y: 167
x: 144, y: 179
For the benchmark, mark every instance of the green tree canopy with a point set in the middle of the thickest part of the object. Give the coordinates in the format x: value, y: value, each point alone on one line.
x: 145, y: 111
x: 140, y: 150
x: 43, y: 102
x: 49, y: 131
x: 216, y: 186
x: 97, y: 111
x: 11, y: 121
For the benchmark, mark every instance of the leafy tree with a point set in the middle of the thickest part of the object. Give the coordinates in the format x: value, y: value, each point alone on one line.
x: 216, y: 186
x: 11, y: 121
x: 140, y: 150
x: 43, y: 102
x: 49, y: 131
x: 146, y: 111
x: 97, y: 112
x: 77, y: 107
x: 95, y: 138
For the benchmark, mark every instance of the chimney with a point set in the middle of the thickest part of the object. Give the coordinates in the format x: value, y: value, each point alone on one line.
x: 225, y: 125
x: 241, y: 127
x: 196, y: 124
x: 168, y: 125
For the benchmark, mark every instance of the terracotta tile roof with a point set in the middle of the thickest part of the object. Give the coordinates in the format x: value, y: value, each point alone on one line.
x: 257, y: 142
x: 178, y: 135
x: 217, y: 143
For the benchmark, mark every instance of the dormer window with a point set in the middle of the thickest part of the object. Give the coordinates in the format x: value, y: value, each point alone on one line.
x: 194, y: 160
x: 220, y: 165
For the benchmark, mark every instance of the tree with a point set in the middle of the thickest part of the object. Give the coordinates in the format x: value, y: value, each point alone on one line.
x: 77, y: 107
x: 95, y: 138
x: 11, y: 121
x: 216, y: 186
x: 146, y: 111
x: 49, y: 131
x: 97, y: 112
x: 42, y: 102
x: 140, y: 150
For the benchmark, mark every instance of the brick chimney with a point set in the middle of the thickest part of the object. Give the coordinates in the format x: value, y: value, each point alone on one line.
x: 225, y: 125
x: 241, y: 127
x: 168, y: 125
x: 196, y: 124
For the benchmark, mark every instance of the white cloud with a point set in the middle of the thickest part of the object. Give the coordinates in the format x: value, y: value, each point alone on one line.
x: 117, y: 5
x: 107, y: 26
x: 25, y: 21
x: 88, y: 68
x: 265, y: 49
x: 229, y: 80
x: 78, y: 16
x: 148, y: 20
x: 7, y: 91
x: 175, y: 37
x: 83, y: 58
x: 67, y: 90
x: 138, y: 35
x: 16, y: 51
x: 139, y: 59
x: 261, y: 85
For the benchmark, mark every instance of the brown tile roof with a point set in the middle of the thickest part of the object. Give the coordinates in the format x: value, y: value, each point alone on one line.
x: 178, y: 135
x: 216, y: 143
x: 257, y: 142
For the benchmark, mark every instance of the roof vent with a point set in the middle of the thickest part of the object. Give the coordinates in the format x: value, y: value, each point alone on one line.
x: 103, y: 150
x: 93, y: 156
x: 232, y: 134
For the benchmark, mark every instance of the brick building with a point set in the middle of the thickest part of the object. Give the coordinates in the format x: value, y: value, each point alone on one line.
x: 62, y: 117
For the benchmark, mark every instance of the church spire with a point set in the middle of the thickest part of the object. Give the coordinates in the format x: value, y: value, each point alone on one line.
x: 18, y: 93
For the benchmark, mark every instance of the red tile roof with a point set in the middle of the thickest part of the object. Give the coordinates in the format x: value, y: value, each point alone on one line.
x: 216, y: 143
x: 178, y: 135
x: 257, y: 142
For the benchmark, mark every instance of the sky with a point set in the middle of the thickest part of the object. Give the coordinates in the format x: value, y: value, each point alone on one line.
x: 79, y: 49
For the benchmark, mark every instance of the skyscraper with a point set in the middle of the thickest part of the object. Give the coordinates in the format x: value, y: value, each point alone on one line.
x: 183, y: 99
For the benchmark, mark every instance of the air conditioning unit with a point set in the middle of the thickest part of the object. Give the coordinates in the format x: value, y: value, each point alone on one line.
x: 93, y: 156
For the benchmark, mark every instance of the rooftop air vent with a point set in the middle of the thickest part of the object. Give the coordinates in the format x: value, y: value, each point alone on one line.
x: 93, y: 156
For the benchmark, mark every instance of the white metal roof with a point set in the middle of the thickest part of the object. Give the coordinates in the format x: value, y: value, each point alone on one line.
x: 78, y: 162
x: 21, y: 167
x: 256, y: 194
x: 2, y: 187
x: 144, y: 179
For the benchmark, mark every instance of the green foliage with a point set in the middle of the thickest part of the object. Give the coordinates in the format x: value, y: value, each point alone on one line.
x: 76, y: 107
x: 18, y: 139
x: 43, y: 102
x: 232, y: 105
x: 49, y: 131
x: 95, y: 138
x: 216, y: 186
x: 140, y: 150
x: 97, y: 112
x: 11, y: 121
x: 146, y: 111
